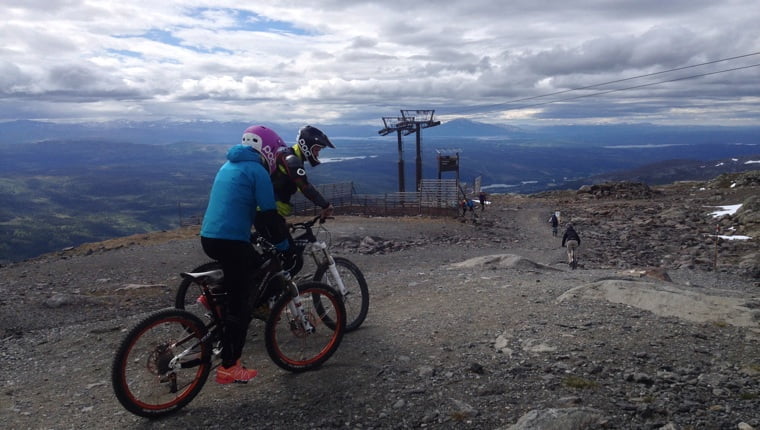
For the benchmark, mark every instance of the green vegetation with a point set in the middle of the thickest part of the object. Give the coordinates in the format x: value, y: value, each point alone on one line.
x: 578, y: 382
x: 99, y: 192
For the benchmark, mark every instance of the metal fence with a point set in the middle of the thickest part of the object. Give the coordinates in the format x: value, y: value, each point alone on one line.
x: 436, y: 197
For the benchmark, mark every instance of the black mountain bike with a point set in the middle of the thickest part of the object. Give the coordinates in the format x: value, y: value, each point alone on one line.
x: 338, y: 272
x: 164, y: 361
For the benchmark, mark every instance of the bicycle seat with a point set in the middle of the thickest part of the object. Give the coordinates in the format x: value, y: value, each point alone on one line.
x: 212, y: 276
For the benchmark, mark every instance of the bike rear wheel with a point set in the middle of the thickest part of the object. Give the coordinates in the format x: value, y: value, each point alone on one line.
x: 292, y: 347
x: 148, y: 376
x: 356, y: 299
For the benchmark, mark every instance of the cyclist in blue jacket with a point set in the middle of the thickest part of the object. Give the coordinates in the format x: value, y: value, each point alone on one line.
x: 241, y: 186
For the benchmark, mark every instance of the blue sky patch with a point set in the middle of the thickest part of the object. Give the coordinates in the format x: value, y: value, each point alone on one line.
x: 251, y: 21
x: 162, y: 36
x: 125, y: 53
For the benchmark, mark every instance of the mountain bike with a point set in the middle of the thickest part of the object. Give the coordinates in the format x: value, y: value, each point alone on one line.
x: 571, y: 255
x: 337, y: 272
x: 164, y: 361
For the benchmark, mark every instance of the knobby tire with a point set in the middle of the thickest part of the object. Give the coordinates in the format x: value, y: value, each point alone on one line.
x: 140, y: 376
x: 289, y: 346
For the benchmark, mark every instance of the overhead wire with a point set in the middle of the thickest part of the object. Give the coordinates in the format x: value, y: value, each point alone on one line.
x: 501, y: 106
x: 683, y: 78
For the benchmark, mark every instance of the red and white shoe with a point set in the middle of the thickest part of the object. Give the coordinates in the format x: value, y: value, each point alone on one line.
x: 237, y: 373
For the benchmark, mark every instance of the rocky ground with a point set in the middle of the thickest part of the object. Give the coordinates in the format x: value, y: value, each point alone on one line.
x: 471, y: 326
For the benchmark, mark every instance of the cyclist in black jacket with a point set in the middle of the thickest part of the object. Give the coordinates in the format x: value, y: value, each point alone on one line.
x: 571, y: 240
x: 289, y: 174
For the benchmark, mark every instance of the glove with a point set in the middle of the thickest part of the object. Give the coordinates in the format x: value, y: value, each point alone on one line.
x: 326, y: 212
x: 282, y: 246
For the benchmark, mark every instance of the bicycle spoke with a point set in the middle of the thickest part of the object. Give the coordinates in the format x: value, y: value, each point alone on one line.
x: 291, y: 345
x: 162, y: 364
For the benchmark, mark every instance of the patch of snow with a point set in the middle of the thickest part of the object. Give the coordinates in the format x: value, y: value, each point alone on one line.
x: 725, y: 210
x: 737, y: 237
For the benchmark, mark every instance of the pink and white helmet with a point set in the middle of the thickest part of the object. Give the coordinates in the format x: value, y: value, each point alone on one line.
x: 265, y: 141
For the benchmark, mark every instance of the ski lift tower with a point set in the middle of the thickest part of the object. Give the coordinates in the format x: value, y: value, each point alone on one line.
x: 398, y: 125
x: 410, y: 121
x: 419, y: 119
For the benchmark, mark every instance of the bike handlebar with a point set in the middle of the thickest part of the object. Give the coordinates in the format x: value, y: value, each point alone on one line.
x: 309, y: 224
x: 305, y: 225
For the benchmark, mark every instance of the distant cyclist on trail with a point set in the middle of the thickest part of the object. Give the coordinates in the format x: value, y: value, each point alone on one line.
x: 572, y: 241
x: 555, y: 223
x: 241, y: 195
x: 468, y: 205
x: 288, y: 173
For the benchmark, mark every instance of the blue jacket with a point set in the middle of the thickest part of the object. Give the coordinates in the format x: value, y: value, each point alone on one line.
x: 241, y: 186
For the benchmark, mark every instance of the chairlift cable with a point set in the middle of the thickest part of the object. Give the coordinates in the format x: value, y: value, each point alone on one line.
x: 499, y: 105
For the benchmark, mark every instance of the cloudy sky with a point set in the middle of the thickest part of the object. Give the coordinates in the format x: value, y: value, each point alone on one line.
x: 341, y: 61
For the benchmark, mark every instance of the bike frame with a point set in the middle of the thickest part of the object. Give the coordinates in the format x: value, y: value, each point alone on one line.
x: 273, y: 272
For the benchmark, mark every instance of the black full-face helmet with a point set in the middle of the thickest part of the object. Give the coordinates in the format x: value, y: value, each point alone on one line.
x: 310, y: 141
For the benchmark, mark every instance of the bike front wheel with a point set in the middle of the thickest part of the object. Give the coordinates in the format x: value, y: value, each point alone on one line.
x: 161, y: 364
x: 298, y: 346
x: 356, y: 297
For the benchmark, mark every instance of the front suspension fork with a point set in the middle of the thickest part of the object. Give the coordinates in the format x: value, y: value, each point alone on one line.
x: 333, y: 268
x: 296, y: 305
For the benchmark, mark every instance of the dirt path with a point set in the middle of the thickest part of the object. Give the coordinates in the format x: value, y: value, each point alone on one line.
x: 445, y: 345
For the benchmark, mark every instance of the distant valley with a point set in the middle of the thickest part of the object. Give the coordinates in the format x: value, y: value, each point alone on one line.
x: 91, y: 186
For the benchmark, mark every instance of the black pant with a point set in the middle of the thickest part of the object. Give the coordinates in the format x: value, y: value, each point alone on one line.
x: 239, y: 262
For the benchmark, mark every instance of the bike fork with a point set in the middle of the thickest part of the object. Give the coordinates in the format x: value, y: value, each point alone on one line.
x: 336, y: 276
x: 331, y: 266
x: 296, y: 305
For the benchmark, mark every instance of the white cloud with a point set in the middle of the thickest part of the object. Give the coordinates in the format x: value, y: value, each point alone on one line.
x: 286, y: 61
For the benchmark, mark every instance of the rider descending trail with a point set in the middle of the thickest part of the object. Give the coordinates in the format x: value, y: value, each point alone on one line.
x: 526, y: 219
x: 571, y: 240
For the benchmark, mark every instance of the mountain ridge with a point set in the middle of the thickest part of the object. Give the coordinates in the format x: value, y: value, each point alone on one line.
x: 62, y: 192
x: 208, y: 131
